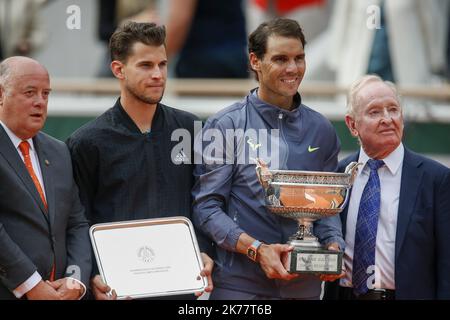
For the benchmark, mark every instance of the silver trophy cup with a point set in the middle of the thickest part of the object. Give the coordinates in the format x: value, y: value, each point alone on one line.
x: 307, y: 196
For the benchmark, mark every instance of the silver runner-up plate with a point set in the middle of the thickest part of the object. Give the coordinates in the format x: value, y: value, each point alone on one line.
x: 148, y: 258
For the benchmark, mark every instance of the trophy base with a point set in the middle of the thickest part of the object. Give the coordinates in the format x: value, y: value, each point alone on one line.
x: 311, y: 257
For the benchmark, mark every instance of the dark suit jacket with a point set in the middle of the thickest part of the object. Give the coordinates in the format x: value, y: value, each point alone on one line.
x: 31, y: 239
x: 422, y: 244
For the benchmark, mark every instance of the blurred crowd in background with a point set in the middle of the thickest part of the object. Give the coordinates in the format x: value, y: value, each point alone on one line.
x: 405, y: 41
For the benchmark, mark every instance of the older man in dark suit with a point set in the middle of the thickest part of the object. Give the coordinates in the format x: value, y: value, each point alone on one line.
x: 397, y: 222
x: 45, y: 249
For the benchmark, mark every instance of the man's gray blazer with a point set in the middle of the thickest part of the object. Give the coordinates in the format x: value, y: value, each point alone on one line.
x: 32, y: 239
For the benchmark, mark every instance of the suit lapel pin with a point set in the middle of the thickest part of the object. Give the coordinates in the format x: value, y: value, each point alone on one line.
x: 47, y: 163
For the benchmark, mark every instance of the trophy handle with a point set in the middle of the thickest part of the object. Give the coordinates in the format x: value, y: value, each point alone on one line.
x: 352, y: 169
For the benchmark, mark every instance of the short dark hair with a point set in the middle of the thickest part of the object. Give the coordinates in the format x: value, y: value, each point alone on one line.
x: 123, y: 39
x: 257, y: 41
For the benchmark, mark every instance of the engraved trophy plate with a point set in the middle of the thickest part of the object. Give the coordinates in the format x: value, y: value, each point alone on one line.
x: 148, y: 258
x: 307, y: 196
x: 317, y: 261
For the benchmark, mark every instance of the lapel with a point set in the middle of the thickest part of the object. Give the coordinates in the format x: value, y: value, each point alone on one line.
x: 11, y: 155
x: 410, y: 183
x: 342, y: 165
x: 45, y: 165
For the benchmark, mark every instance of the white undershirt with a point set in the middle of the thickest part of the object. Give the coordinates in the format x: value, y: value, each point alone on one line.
x: 390, y: 180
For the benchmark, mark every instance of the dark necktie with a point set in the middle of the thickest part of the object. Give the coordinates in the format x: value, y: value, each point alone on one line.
x: 366, y: 230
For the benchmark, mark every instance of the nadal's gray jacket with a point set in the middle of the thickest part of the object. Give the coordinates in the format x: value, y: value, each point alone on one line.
x: 229, y: 200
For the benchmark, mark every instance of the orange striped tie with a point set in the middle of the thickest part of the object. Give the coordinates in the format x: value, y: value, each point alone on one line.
x: 24, y: 147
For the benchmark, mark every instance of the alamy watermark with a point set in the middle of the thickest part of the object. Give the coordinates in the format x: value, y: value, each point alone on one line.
x: 73, y: 278
x: 229, y: 146
x: 374, y: 17
x: 373, y: 279
x: 73, y: 21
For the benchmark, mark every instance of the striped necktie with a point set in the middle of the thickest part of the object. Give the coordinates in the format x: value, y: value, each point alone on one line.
x: 24, y: 147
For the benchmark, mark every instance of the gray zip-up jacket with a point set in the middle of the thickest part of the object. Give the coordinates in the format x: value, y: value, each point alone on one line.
x: 229, y: 200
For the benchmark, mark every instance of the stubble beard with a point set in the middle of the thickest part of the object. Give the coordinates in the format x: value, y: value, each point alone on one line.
x: 144, y: 99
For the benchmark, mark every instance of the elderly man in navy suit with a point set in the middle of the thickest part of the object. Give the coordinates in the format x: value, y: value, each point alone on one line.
x: 397, y: 222
x: 44, y: 243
